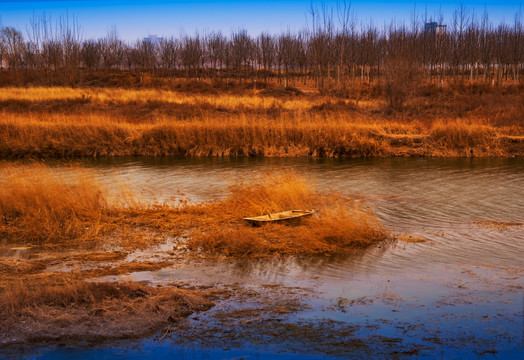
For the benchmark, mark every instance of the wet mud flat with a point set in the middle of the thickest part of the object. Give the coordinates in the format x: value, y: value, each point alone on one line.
x: 313, y: 307
x: 456, y: 311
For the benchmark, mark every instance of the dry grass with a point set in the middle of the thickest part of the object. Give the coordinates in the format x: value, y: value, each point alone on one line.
x: 410, y: 238
x: 217, y: 228
x: 497, y: 225
x: 462, y: 134
x: 340, y: 223
x: 68, y: 207
x: 61, y: 292
x: 41, y: 309
x: 66, y: 122
x: 40, y: 204
x: 70, y: 136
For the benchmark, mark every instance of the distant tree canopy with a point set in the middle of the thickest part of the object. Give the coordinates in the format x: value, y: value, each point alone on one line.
x: 333, y: 52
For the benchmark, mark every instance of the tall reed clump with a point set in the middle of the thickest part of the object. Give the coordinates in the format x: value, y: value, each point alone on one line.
x: 339, y: 224
x: 46, y: 205
x: 462, y: 135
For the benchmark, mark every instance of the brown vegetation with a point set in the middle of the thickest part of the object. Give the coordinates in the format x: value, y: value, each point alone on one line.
x: 340, y: 224
x: 498, y: 225
x: 338, y: 89
x: 58, y: 122
x: 331, y: 92
x: 66, y: 210
x: 332, y: 54
x: 41, y: 205
x: 63, y: 307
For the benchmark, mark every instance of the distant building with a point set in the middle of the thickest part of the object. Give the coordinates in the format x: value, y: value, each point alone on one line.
x: 153, y: 39
x: 435, y: 28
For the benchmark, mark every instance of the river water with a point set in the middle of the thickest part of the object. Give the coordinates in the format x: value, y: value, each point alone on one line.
x: 457, y: 295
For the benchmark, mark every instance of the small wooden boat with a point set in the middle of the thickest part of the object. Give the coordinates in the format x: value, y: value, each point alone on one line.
x: 285, y: 216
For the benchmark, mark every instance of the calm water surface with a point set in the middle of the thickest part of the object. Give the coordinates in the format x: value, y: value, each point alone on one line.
x: 439, y: 199
x: 463, y: 286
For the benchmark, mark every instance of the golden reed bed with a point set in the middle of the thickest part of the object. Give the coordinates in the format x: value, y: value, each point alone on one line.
x: 67, y: 122
x: 68, y: 207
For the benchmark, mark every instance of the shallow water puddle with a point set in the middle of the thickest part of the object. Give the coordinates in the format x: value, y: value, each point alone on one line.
x: 305, y: 307
x: 460, y: 310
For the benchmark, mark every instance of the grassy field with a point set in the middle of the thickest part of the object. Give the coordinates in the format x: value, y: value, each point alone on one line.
x: 279, y: 122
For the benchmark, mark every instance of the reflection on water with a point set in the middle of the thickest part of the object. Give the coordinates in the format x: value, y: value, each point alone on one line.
x: 464, y: 283
x: 438, y: 199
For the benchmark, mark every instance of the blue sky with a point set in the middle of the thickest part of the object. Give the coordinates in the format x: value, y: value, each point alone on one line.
x: 135, y: 19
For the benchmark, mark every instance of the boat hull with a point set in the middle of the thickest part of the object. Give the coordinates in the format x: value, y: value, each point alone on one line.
x: 292, y: 216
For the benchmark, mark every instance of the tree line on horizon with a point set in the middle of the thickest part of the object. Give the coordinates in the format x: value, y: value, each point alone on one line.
x: 334, y: 51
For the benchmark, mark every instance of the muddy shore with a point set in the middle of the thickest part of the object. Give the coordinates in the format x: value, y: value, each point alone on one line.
x: 301, y: 313
x: 449, y: 285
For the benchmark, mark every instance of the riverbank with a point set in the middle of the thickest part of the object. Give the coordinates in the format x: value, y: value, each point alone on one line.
x: 94, y: 122
x: 457, y: 293
x: 67, y: 211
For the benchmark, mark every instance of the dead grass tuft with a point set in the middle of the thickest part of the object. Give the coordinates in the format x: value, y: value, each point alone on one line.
x: 340, y: 223
x: 64, y: 307
x: 39, y: 204
x: 462, y: 135
x: 411, y: 238
x: 497, y: 225
x: 65, y: 205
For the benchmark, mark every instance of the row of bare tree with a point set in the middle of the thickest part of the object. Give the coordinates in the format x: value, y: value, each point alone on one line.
x: 334, y: 51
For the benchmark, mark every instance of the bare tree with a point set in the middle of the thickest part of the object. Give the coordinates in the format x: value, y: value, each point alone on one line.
x: 241, y: 46
x: 3, y: 52
x: 331, y: 53
x: 52, y: 54
x: 13, y: 44
x: 168, y: 53
x: 286, y: 52
x: 90, y: 54
x: 401, y: 73
x: 517, y: 45
x: 70, y: 39
x: 146, y: 54
x: 460, y: 24
x: 191, y: 54
x: 215, y: 45
x: 113, y: 50
x: 30, y: 56
x: 342, y: 39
